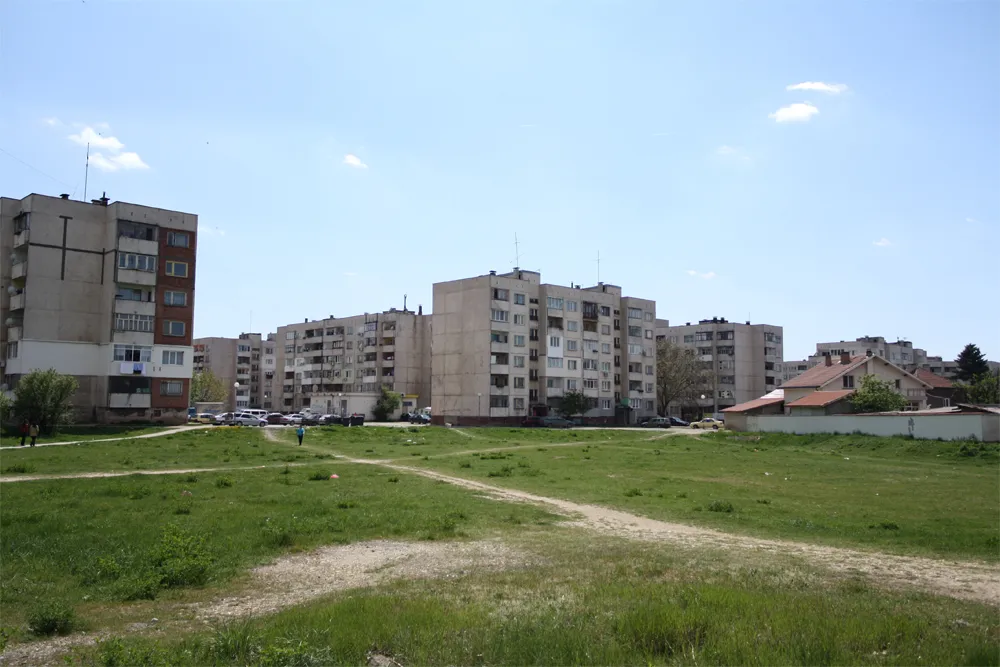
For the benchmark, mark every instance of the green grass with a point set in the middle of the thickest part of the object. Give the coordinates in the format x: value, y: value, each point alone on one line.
x: 94, y: 541
x: 11, y: 438
x: 839, y: 490
x: 597, y: 603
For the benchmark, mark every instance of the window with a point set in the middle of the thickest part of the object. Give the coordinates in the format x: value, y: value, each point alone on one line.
x: 172, y: 298
x: 727, y: 379
x: 590, y: 384
x: 635, y: 368
x: 571, y: 364
x: 605, y: 404
x: 571, y: 306
x: 12, y: 350
x: 173, y: 328
x: 136, y: 230
x: 554, y: 303
x: 554, y: 362
x: 728, y: 335
x: 519, y: 318
x: 501, y: 358
x: 635, y: 332
x: 725, y: 393
x: 605, y: 385
x: 897, y: 384
x: 553, y: 383
x: 605, y: 329
x: 518, y: 341
x: 519, y: 382
x: 179, y: 239
x: 498, y: 337
x: 572, y: 326
x: 771, y: 337
x: 726, y: 365
x: 606, y: 366
x: 171, y: 387
x: 688, y: 338
x: 570, y: 384
x: 518, y: 361
x: 770, y: 351
x: 519, y: 299
x: 606, y: 348
x: 533, y: 314
x: 132, y: 294
x: 519, y: 404
x: 130, y: 322
x: 703, y: 335
x: 500, y: 294
x: 649, y: 387
x: 605, y: 311
x: 498, y: 315
x: 177, y: 269
x: 555, y: 341
x: 571, y: 345
x: 635, y: 313
x: 173, y: 357
x: 705, y: 351
x: 649, y: 334
x: 133, y: 353
x: 725, y: 349
x: 635, y: 349
x: 768, y: 365
x: 590, y: 364
x: 649, y: 369
x: 136, y: 262
x: 848, y: 382
x: 649, y: 317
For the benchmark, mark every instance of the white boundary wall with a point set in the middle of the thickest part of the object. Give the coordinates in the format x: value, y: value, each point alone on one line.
x: 985, y: 427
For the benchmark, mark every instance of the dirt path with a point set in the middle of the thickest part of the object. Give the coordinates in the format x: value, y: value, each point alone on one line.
x: 158, y: 434
x: 171, y: 471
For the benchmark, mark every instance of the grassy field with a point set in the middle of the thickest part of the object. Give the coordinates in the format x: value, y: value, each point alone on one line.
x: 11, y: 438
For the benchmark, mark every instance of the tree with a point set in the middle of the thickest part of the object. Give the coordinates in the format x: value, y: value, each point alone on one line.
x: 983, y: 390
x: 679, y: 375
x: 574, y: 403
x: 206, y: 387
x: 387, y: 403
x: 45, y: 398
x: 876, y: 395
x: 6, y: 408
x: 971, y: 363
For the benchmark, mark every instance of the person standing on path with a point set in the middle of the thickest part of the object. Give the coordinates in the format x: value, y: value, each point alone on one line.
x: 299, y: 432
x: 25, y: 427
x: 33, y: 432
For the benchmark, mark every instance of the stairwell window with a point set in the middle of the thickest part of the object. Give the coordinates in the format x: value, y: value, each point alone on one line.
x: 174, y: 298
x: 178, y: 239
x: 177, y: 269
x: 173, y: 358
x: 519, y: 299
x: 171, y: 387
x: 173, y: 328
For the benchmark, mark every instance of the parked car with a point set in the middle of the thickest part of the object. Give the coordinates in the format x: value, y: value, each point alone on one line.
x: 658, y: 422
x: 531, y: 422
x: 676, y: 421
x: 556, y: 422
x: 203, y: 418
x: 224, y: 418
x: 276, y: 418
x: 311, y: 420
x: 248, y: 419
x: 294, y: 418
x: 708, y: 422
x: 420, y: 418
x: 407, y: 416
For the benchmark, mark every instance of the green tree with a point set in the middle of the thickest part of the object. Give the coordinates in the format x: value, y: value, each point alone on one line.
x: 971, y: 363
x: 6, y: 408
x: 387, y: 403
x: 983, y: 390
x: 45, y: 398
x: 574, y: 403
x: 679, y: 375
x: 207, y: 387
x: 876, y: 395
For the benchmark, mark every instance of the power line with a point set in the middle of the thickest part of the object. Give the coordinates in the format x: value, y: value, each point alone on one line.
x: 11, y: 155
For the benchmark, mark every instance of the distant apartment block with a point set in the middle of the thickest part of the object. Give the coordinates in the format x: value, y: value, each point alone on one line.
x: 104, y: 292
x: 949, y: 369
x: 744, y: 361
x: 339, y: 365
x: 900, y: 353
x: 791, y: 370
x: 508, y: 346
x: 239, y: 364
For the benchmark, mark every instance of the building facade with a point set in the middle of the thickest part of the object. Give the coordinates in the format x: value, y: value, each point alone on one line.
x: 508, y: 346
x: 339, y: 365
x: 104, y: 292
x: 901, y: 353
x: 743, y: 361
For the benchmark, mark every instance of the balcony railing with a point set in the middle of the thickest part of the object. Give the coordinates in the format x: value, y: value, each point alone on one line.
x: 19, y: 270
x: 21, y: 238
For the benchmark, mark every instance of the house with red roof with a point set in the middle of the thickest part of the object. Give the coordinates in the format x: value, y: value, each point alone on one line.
x: 942, y: 392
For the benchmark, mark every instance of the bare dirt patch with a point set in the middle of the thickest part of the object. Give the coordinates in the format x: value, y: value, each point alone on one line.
x: 298, y: 578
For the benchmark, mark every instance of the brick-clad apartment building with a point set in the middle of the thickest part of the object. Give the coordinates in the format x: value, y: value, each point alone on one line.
x: 102, y: 291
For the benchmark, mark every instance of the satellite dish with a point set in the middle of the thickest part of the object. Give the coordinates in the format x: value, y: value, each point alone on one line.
x: 11, y: 290
x: 9, y: 322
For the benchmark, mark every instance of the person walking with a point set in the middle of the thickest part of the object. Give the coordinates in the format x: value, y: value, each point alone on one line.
x: 300, y: 432
x: 33, y: 432
x: 25, y: 427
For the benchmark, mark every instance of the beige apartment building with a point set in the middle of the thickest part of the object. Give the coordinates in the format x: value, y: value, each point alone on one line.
x: 339, y: 365
x: 744, y: 361
x: 508, y: 346
x: 901, y: 353
x: 104, y: 292
x: 237, y: 363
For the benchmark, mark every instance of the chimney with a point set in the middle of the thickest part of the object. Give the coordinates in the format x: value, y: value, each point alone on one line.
x: 827, y: 359
x: 64, y: 196
x: 493, y: 273
x: 420, y: 309
x: 748, y: 322
x: 845, y: 358
x: 869, y: 353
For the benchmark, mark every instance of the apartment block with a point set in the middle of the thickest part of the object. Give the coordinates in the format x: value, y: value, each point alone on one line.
x: 901, y: 353
x: 792, y: 369
x: 104, y: 292
x: 237, y: 363
x: 743, y: 360
x: 339, y: 365
x: 508, y: 346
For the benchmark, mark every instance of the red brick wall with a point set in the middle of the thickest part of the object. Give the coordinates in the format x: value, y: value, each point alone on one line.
x: 164, y: 283
x: 157, y: 400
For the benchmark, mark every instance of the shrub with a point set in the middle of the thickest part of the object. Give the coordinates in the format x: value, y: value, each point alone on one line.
x: 393, y: 480
x: 318, y: 476
x: 720, y: 506
x: 181, y: 558
x: 464, y: 464
x: 763, y: 501
x: 191, y: 479
x: 140, y: 585
x: 632, y: 493
x: 51, y: 617
x: 224, y: 482
x: 237, y: 641
x: 505, y: 471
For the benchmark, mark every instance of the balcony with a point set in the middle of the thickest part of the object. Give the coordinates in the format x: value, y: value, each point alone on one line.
x: 17, y: 301
x: 129, y: 400
x: 129, y: 307
x: 14, y: 334
x: 21, y: 238
x: 133, y: 277
x: 140, y: 246
x: 388, y: 348
x: 19, y: 270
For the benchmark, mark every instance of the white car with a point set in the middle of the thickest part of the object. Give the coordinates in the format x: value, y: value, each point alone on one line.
x: 294, y: 418
x: 248, y: 419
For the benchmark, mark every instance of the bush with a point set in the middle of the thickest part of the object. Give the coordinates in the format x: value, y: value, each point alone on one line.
x: 224, y: 482
x: 45, y: 398
x: 393, y: 480
x: 632, y: 493
x: 51, y: 617
x: 506, y: 471
x: 318, y: 476
x: 181, y: 558
x: 464, y: 464
x: 720, y: 506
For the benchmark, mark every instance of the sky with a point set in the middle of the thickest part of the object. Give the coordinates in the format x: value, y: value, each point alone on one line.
x: 830, y: 167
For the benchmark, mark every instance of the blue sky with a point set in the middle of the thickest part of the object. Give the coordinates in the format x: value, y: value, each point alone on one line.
x: 342, y: 154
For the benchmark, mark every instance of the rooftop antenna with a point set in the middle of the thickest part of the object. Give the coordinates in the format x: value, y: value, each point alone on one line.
x: 517, y: 252
x: 404, y: 303
x: 598, y: 266
x: 86, y: 173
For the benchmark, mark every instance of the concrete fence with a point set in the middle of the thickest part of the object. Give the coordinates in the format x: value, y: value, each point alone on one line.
x: 982, y: 427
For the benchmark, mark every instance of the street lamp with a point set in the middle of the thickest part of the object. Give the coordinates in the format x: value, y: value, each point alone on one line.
x: 236, y: 388
x: 479, y: 412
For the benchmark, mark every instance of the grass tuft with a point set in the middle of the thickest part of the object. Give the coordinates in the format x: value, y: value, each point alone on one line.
x: 720, y: 506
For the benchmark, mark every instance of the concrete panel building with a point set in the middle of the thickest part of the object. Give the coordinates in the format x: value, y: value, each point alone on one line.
x: 508, y: 346
x: 246, y: 361
x: 743, y: 361
x: 901, y: 353
x: 102, y: 291
x: 339, y: 365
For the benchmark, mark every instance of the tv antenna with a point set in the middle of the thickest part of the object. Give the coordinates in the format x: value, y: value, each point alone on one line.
x: 598, y: 266
x: 517, y: 252
x: 86, y: 173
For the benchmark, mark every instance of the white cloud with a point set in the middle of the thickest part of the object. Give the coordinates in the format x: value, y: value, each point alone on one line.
x: 832, y: 88
x: 972, y: 221
x: 732, y: 153
x: 116, y: 162
x: 794, y: 113
x: 354, y: 161
x: 51, y: 122
x: 350, y: 274
x: 205, y: 230
x: 882, y: 243
x: 89, y: 135
x: 704, y: 276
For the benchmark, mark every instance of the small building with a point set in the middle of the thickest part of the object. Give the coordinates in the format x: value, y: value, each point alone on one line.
x: 770, y: 404
x: 844, y: 374
x: 942, y: 390
x: 821, y: 403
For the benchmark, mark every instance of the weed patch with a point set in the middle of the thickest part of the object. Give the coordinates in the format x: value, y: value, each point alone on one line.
x: 720, y: 506
x: 51, y: 617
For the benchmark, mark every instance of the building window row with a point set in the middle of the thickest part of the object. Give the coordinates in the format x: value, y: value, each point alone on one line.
x: 132, y: 322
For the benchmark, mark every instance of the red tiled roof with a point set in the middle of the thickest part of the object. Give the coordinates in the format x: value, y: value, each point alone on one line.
x: 933, y: 379
x: 821, y: 399
x: 817, y: 376
x: 754, y: 404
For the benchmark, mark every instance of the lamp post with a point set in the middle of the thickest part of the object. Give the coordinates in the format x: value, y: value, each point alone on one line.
x: 702, y: 409
x: 236, y: 389
x: 479, y: 411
